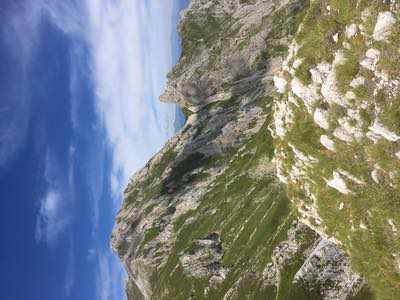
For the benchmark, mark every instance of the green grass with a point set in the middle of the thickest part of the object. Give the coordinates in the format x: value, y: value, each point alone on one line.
x: 371, y: 204
x: 347, y: 71
x: 253, y: 213
x: 236, y: 199
x: 264, y: 211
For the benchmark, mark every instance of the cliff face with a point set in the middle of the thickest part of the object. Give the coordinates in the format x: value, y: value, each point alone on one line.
x: 209, y: 216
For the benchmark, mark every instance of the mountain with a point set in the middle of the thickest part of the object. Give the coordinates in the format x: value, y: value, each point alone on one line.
x: 337, y: 128
x: 283, y: 182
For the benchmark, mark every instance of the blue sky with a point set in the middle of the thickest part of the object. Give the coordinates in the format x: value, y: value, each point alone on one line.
x: 79, y: 82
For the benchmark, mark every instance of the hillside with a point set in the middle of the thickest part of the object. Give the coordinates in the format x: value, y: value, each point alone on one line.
x: 337, y: 127
x: 283, y: 182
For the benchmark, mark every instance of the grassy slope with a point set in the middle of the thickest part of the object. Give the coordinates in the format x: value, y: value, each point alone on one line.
x: 252, y: 213
x: 238, y: 199
x: 372, y: 204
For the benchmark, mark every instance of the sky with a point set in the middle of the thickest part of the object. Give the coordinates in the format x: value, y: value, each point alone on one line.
x: 79, y: 114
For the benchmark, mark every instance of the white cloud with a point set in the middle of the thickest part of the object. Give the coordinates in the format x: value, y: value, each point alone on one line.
x: 70, y: 272
x: 91, y: 254
x: 50, y: 221
x: 110, y: 278
x: 131, y: 53
x: 54, y: 214
x: 18, y: 32
x: 20, y: 29
x: 130, y: 47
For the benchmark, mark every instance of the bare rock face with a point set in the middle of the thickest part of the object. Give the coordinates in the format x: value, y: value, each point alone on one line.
x: 207, y: 217
x: 327, y: 270
x: 205, y: 259
x: 223, y: 41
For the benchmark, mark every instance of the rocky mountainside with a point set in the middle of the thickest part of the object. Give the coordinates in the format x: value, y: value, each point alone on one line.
x: 283, y: 183
x: 337, y: 129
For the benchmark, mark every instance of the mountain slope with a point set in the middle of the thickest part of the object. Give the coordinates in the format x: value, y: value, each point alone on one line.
x: 337, y: 125
x: 208, y: 217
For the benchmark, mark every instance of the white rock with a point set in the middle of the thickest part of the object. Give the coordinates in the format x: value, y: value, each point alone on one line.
x: 342, y: 134
x: 320, y: 73
x: 364, y: 104
x: 351, y: 31
x: 292, y: 51
x: 338, y: 183
x: 341, y: 205
x: 373, y: 137
x: 293, y: 100
x: 298, y: 88
x: 309, y: 95
x: 324, y: 68
x: 351, y: 177
x: 306, y: 159
x: 349, y: 130
x: 316, y: 76
x: 362, y: 29
x: 354, y: 114
x: 378, y: 129
x: 282, y: 178
x: 383, y: 26
x: 373, y: 53
x: 321, y: 118
x: 371, y: 60
x: 363, y: 226
x: 297, y: 63
x: 297, y: 172
x: 329, y: 88
x: 350, y: 95
x: 375, y: 175
x: 336, y: 37
x: 340, y: 58
x: 280, y: 84
x: 327, y: 143
x: 394, y: 228
x: 357, y: 82
x: 393, y: 175
x: 283, y: 118
x: 397, y: 154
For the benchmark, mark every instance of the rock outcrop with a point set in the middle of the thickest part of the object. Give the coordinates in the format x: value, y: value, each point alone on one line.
x: 209, y: 216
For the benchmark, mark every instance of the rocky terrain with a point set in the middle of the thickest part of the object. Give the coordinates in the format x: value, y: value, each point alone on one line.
x: 337, y: 129
x: 283, y: 182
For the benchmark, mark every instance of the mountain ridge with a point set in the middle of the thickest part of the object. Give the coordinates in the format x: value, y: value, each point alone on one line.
x: 213, y: 215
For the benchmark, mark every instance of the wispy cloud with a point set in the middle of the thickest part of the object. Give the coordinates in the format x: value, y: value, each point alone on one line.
x: 18, y: 32
x: 20, y: 29
x: 130, y: 43
x: 129, y: 50
x: 110, y: 277
x: 50, y: 222
x: 70, y: 272
x: 53, y: 214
